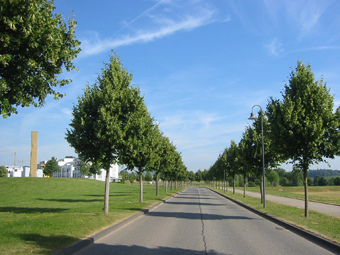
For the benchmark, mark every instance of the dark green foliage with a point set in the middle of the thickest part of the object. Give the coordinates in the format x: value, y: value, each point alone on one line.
x: 3, y: 171
x: 35, y: 46
x: 316, y: 180
x: 323, y: 181
x: 191, y: 176
x: 89, y: 169
x: 273, y: 178
x: 284, y: 181
x: 132, y: 177
x: 337, y: 181
x: 323, y: 172
x: 148, y: 176
x: 51, y: 167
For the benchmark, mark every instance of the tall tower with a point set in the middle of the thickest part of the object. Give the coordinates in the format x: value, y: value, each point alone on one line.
x: 34, y: 154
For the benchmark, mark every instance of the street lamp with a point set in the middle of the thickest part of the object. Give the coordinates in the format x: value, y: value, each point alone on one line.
x: 221, y: 154
x: 253, y: 117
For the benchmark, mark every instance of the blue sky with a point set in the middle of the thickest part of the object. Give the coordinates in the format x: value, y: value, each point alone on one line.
x: 201, y: 64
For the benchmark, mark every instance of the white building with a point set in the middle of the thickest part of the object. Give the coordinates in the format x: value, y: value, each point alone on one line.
x: 21, y: 171
x: 70, y: 168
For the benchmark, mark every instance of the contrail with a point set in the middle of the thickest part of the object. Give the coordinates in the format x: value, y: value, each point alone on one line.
x: 142, y: 14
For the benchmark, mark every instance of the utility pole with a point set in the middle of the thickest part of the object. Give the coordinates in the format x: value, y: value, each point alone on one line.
x: 15, y: 155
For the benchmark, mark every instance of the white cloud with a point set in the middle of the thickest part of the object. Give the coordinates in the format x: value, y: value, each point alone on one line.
x: 156, y: 24
x: 274, y: 47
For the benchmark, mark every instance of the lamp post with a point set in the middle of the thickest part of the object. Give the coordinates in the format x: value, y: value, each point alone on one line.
x: 221, y: 154
x: 253, y: 117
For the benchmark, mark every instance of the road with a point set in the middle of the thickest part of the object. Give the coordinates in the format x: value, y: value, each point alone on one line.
x: 199, y: 221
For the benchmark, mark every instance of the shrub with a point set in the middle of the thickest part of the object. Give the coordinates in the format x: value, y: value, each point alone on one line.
x: 3, y: 171
x: 251, y: 184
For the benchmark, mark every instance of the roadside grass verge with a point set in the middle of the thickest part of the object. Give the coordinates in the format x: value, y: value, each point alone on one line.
x: 321, y: 224
x: 45, y: 215
x: 324, y: 194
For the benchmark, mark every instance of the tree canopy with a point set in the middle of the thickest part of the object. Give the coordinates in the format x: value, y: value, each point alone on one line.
x: 51, y: 166
x: 3, y: 171
x: 35, y: 46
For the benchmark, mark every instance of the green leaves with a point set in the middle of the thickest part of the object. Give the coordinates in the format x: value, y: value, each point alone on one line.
x: 302, y: 122
x: 51, y: 166
x: 34, y: 47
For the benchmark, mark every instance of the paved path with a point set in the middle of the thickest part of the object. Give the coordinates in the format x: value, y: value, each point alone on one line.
x: 198, y: 221
x: 314, y: 206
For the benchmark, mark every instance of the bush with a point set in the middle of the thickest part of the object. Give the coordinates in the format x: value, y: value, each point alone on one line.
x: 337, y: 181
x: 251, y: 184
x: 323, y: 181
x: 284, y: 181
x: 3, y: 171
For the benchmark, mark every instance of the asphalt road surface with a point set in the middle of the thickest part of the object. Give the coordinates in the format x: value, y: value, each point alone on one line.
x: 199, y: 221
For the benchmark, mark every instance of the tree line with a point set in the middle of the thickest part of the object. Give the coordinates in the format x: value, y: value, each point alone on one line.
x: 111, y: 125
x: 301, y: 128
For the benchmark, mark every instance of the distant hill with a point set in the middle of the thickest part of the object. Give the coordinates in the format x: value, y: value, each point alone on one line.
x: 323, y: 173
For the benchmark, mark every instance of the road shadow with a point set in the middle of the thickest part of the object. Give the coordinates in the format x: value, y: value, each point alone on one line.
x: 188, y: 197
x: 198, y: 216
x: 100, y: 249
x: 49, y: 244
x: 32, y: 210
x: 194, y: 203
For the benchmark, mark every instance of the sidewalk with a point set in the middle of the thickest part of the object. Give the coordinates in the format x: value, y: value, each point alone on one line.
x: 333, y: 210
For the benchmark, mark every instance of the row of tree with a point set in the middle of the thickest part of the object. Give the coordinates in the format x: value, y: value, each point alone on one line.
x: 301, y: 129
x: 111, y: 125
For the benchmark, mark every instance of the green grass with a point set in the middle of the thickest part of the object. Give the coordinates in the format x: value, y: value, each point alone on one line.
x: 324, y: 194
x: 318, y: 223
x: 45, y: 215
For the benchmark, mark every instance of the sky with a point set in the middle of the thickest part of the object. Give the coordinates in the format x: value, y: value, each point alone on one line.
x: 201, y: 65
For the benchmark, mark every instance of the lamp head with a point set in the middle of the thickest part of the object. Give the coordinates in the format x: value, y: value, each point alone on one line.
x: 252, y: 117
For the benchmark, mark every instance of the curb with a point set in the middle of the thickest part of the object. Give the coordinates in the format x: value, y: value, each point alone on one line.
x: 88, y: 241
x: 297, y: 230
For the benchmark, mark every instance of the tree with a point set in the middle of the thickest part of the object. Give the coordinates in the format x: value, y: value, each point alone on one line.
x: 273, y: 177
x: 337, y: 181
x: 316, y: 180
x: 3, y: 171
x: 284, y: 181
x: 191, y: 176
x: 35, y: 46
x: 98, y: 130
x: 124, y: 175
x: 323, y: 181
x: 199, y: 175
x: 302, y: 124
x: 89, y: 169
x: 51, y: 167
x: 141, y: 136
x: 148, y: 176
x: 132, y: 177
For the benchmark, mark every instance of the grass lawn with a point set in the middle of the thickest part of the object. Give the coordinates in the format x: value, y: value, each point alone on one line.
x: 326, y: 194
x: 45, y: 215
x: 318, y: 223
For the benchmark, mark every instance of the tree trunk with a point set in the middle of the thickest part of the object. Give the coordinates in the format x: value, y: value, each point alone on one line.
x: 107, y: 191
x: 141, y: 188
x: 166, y: 187
x: 234, y: 185
x: 157, y: 186
x: 306, y: 191
x: 244, y: 185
